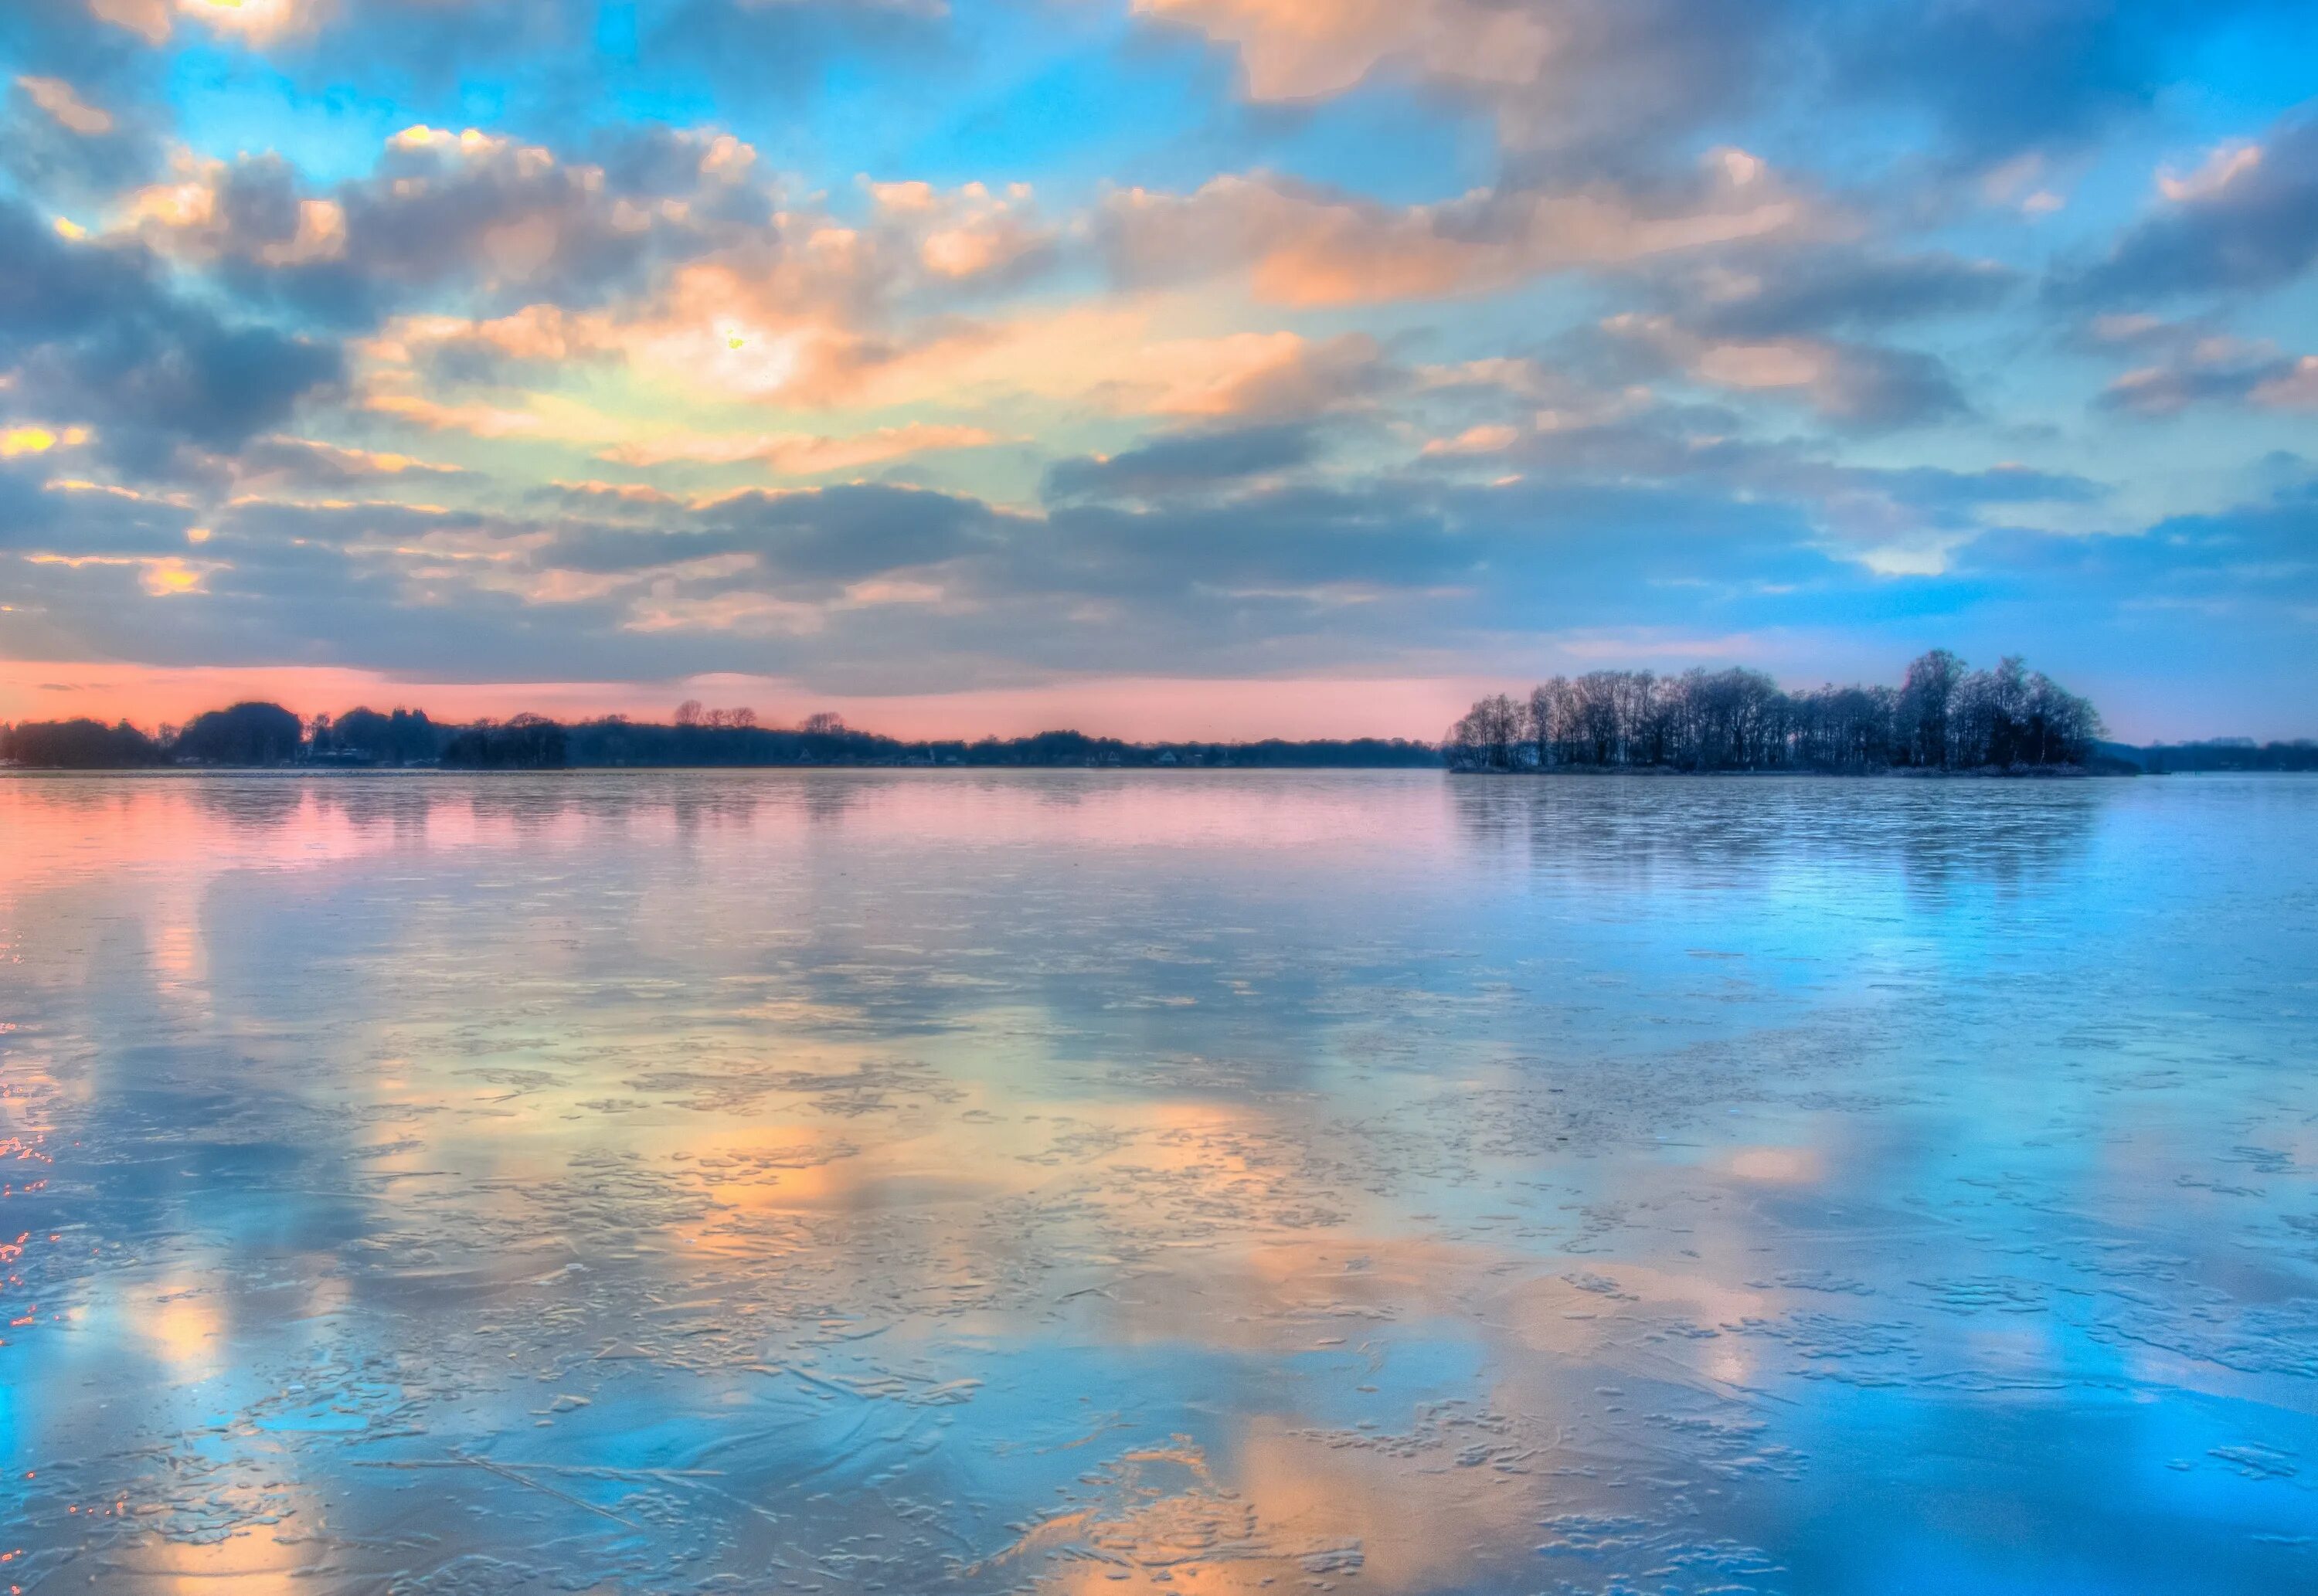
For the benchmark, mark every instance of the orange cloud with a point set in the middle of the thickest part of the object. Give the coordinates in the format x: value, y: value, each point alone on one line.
x: 1484, y: 439
x: 258, y: 20
x: 1250, y: 375
x: 1837, y: 378
x: 161, y: 576
x: 2222, y: 167
x: 1111, y: 357
x: 2295, y: 389
x: 969, y: 232
x: 1293, y: 49
x: 1307, y: 247
x: 184, y: 218
x: 536, y: 332
x: 39, y: 440
x: 484, y: 421
x: 65, y: 106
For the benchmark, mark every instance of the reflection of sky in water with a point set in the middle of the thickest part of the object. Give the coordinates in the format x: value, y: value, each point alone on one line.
x: 850, y: 1182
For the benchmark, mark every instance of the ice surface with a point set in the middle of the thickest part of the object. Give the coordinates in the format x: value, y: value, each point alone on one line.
x: 848, y: 1181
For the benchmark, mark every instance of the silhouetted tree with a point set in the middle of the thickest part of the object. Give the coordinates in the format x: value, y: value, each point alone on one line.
x: 1488, y: 735
x: 526, y: 742
x: 80, y: 744
x: 1927, y: 697
x: 247, y: 733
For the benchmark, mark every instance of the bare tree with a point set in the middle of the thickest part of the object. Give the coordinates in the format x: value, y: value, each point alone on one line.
x: 1927, y: 696
x: 687, y: 713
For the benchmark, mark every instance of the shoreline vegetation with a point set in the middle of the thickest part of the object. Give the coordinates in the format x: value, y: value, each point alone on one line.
x: 259, y: 735
x: 1942, y: 719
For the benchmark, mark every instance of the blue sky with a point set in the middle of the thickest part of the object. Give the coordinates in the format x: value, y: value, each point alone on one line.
x: 1173, y: 365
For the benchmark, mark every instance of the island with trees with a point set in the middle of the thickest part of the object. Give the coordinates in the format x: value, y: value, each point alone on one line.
x: 1942, y: 717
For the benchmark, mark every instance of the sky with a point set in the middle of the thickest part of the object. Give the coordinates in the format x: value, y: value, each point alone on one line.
x: 1159, y: 367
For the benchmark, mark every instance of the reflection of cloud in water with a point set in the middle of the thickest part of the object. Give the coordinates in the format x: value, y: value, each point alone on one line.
x: 1780, y: 1166
x: 978, y: 1180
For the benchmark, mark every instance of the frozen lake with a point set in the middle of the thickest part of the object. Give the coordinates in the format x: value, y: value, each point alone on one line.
x: 1202, y: 1182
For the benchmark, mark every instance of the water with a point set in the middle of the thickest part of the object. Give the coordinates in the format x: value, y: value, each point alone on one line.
x: 1193, y: 1182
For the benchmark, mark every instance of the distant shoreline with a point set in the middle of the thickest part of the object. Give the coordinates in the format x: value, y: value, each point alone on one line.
x: 2118, y: 761
x: 2001, y: 725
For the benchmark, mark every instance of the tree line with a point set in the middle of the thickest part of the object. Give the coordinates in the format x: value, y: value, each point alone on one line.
x: 1942, y: 716
x: 267, y: 734
x: 248, y: 733
x: 2218, y: 753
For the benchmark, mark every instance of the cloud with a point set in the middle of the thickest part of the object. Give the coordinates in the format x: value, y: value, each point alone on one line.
x: 2195, y: 364
x: 802, y: 453
x: 62, y: 143
x: 811, y: 540
x: 1550, y: 73
x: 1855, y: 383
x: 149, y: 20
x: 1184, y: 462
x: 280, y: 462
x: 1772, y: 291
x: 483, y: 421
x: 1483, y: 438
x: 44, y: 512
x: 1210, y: 548
x: 99, y: 334
x: 1255, y: 572
x: 65, y: 107
x: 971, y: 234
x: 1608, y: 78
x: 1253, y: 375
x: 256, y: 22
x: 797, y: 335
x: 2239, y: 567
x: 1997, y: 76
x: 39, y: 440
x: 1885, y: 518
x: 798, y: 307
x: 502, y: 221
x: 1304, y: 245
x: 2243, y: 221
